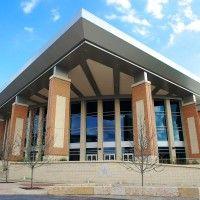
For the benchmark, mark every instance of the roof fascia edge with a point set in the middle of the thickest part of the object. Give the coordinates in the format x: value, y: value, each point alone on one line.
x: 140, y: 67
x: 106, y: 26
x: 14, y: 95
x: 43, y: 49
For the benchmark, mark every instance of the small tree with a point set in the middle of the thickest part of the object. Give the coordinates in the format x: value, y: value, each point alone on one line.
x: 35, y: 146
x: 145, y: 158
x: 34, y: 158
x: 7, y: 150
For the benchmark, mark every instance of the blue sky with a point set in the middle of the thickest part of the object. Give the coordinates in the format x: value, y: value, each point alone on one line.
x: 171, y: 27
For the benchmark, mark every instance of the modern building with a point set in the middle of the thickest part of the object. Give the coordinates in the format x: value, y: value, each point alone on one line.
x: 89, y: 92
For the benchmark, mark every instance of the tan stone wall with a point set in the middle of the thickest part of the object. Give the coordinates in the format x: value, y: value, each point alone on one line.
x: 59, y: 90
x: 108, y: 173
x: 141, y: 94
x: 17, y: 131
x: 190, y: 114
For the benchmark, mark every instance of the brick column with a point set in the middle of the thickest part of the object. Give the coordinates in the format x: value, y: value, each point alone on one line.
x: 191, y: 121
x: 16, y: 137
x: 2, y: 134
x: 58, y: 118
x: 144, y: 116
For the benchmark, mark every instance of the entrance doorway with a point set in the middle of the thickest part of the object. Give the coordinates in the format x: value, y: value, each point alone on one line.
x: 109, y: 156
x: 128, y: 157
x: 91, y: 157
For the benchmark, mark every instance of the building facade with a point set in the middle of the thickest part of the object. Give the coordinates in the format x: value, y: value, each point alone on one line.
x: 87, y: 95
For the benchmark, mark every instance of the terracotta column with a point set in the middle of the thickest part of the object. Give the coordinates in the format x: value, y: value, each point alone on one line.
x: 16, y: 137
x: 58, y: 117
x: 191, y: 121
x: 2, y: 135
x: 143, y: 116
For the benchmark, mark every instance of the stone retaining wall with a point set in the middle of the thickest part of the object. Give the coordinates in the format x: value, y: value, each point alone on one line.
x: 63, y: 190
x: 107, y: 173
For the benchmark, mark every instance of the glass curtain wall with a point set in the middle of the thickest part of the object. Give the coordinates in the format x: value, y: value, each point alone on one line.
x: 160, y: 115
x: 74, y: 154
x: 176, y: 119
x: 108, y: 121
x: 75, y: 123
x: 34, y: 135
x: 164, y: 156
x: 126, y: 120
x: 91, y: 122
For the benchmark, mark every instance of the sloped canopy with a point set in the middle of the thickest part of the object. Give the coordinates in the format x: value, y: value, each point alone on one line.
x: 87, y: 46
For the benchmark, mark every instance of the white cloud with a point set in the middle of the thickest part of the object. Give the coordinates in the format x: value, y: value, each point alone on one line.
x: 184, y: 20
x: 29, y: 5
x: 194, y: 26
x: 29, y: 29
x: 55, y: 15
x: 111, y: 17
x: 124, y: 4
x: 142, y: 31
x: 155, y: 7
x: 125, y: 13
x: 186, y: 8
x: 132, y: 18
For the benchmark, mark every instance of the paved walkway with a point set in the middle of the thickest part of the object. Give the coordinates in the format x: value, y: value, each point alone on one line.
x: 12, y: 191
x: 44, y: 197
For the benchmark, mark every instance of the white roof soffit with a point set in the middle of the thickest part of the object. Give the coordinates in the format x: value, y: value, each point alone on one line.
x: 114, y: 31
x: 101, y: 23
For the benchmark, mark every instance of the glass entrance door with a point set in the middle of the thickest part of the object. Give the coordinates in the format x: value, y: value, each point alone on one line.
x: 109, y: 156
x: 91, y: 157
x: 128, y: 157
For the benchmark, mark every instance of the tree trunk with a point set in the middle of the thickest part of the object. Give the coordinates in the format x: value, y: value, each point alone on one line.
x: 7, y: 171
x: 7, y: 175
x: 32, y: 170
x: 142, y: 179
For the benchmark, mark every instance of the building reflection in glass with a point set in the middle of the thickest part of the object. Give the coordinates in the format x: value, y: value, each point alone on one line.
x: 126, y: 120
x: 160, y: 115
x: 108, y: 121
x: 91, y: 122
x: 75, y: 123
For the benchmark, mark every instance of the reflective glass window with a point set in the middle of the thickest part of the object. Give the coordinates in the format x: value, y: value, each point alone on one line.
x: 75, y: 122
x: 126, y: 120
x: 74, y: 154
x: 109, y: 150
x: 160, y: 115
x: 180, y: 155
x: 35, y: 127
x: 44, y: 126
x: 164, y: 156
x: 108, y: 121
x: 176, y: 120
x: 91, y: 122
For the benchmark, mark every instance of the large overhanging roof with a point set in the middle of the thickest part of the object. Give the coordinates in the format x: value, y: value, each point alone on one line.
x: 88, y: 30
